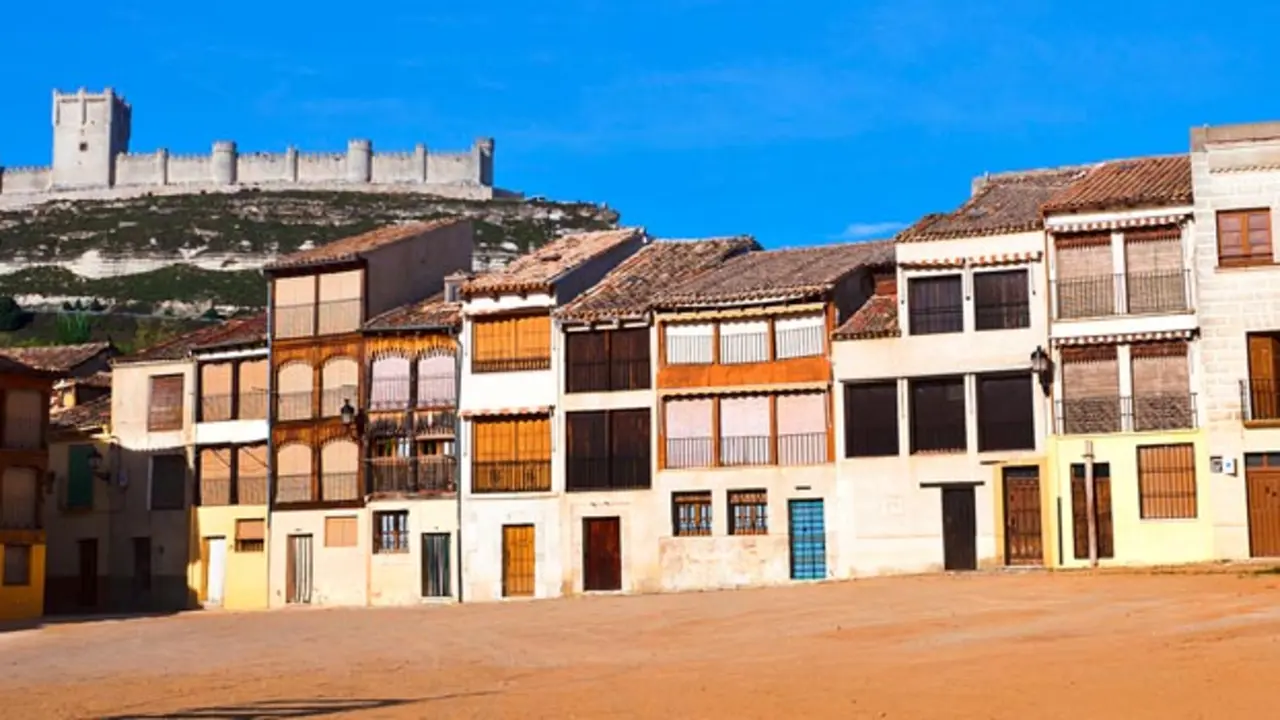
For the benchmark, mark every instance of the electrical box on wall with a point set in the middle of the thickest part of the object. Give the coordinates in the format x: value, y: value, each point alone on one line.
x: 1215, y: 464
x: 1228, y: 466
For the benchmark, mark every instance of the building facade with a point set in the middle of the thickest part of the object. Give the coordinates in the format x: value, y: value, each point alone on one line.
x: 511, y: 468
x: 1235, y: 174
x: 942, y: 421
x: 611, y: 518
x: 230, y: 455
x: 24, y: 458
x: 321, y: 540
x: 746, y: 440
x: 1126, y: 353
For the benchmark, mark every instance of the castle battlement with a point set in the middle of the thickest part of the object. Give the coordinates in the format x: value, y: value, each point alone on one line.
x: 91, y: 156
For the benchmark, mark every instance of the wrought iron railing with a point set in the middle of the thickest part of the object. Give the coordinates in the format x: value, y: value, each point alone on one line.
x: 1260, y: 399
x: 247, y: 405
x: 412, y: 476
x: 608, y: 473
x: 244, y: 490
x: 690, y: 452
x: 338, y: 316
x: 293, y: 405
x: 744, y: 450
x: 291, y: 321
x: 511, y: 476
x: 1119, y: 294
x: 1114, y: 413
x: 802, y: 448
x: 511, y: 364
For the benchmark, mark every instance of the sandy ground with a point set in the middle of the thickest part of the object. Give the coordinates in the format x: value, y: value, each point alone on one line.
x: 1038, y: 645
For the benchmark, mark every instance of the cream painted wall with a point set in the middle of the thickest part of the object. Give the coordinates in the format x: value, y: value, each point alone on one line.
x: 1138, y: 541
x: 724, y: 561
x: 245, y: 579
x: 641, y: 522
x: 396, y: 578
x: 340, y: 575
x: 482, y: 521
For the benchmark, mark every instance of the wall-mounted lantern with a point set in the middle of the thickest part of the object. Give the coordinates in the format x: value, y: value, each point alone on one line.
x: 1042, y: 366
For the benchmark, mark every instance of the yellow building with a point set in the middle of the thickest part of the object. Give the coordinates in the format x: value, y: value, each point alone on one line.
x: 228, y: 567
x: 1126, y: 356
x: 24, y: 459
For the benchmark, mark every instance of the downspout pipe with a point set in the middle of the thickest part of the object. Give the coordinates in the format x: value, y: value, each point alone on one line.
x: 456, y: 334
x: 271, y: 423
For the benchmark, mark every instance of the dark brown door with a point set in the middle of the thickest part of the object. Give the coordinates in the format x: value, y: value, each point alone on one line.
x: 1102, y: 506
x: 87, y: 595
x: 601, y: 554
x: 1263, y: 487
x: 959, y: 529
x: 1023, y: 544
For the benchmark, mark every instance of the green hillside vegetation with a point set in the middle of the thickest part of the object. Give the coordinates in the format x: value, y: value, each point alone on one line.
x: 183, y: 283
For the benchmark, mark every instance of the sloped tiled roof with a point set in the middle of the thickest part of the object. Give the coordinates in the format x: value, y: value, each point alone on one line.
x: 1005, y: 203
x: 777, y: 274
x: 93, y: 414
x: 538, y: 270
x: 1135, y: 182
x: 431, y: 313
x: 56, y: 358
x: 10, y: 366
x: 352, y: 247
x: 877, y: 318
x: 630, y: 289
x: 237, y: 331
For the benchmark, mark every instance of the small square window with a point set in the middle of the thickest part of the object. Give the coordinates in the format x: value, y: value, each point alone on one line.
x: 84, y: 146
x: 17, y: 565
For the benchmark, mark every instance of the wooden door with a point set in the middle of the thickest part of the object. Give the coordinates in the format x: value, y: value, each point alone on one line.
x: 1102, y: 507
x: 519, y: 568
x: 87, y: 596
x: 298, y: 570
x: 959, y: 529
x: 142, y: 569
x: 435, y: 565
x: 1262, y: 483
x: 601, y: 553
x: 807, y: 524
x: 1023, y: 541
x: 215, y: 570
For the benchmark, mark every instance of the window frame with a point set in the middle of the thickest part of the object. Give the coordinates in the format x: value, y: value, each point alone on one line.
x: 851, y: 449
x: 1166, y: 504
x: 398, y: 535
x: 22, y: 550
x: 755, y: 518
x: 985, y: 441
x: 526, y: 354
x: 613, y: 371
x: 250, y: 545
x: 953, y: 445
x: 1247, y: 257
x: 915, y: 289
x: 158, y: 421
x: 1020, y: 310
x: 613, y: 463
x: 701, y: 522
x: 151, y: 482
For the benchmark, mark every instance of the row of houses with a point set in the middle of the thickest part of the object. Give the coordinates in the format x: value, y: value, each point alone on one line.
x: 1076, y: 366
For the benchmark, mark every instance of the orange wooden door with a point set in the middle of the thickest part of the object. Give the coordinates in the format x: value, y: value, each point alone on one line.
x: 518, y: 561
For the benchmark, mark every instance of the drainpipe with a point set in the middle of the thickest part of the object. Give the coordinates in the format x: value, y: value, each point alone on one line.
x: 456, y: 334
x: 1090, y: 507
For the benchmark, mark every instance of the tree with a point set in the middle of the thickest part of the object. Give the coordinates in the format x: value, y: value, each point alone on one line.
x: 12, y: 316
x: 74, y: 328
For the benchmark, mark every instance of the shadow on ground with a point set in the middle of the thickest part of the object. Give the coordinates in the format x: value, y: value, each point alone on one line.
x: 268, y: 709
x: 52, y: 620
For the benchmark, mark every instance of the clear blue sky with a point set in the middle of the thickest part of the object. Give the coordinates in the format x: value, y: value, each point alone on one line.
x: 799, y: 122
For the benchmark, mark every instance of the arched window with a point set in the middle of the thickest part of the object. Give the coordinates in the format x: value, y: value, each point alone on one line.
x: 294, y: 381
x: 339, y: 379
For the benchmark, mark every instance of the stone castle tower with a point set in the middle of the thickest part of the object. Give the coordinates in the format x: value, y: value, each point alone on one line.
x: 89, y: 130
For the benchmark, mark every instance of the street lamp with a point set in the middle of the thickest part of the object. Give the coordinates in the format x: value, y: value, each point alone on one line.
x: 348, y: 413
x: 1042, y: 366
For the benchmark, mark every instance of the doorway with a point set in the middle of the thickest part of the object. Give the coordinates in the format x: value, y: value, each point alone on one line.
x: 87, y: 592
x: 435, y: 565
x: 959, y: 528
x: 1023, y: 541
x: 1262, y: 487
x: 215, y: 570
x: 601, y: 554
x: 808, y: 539
x: 298, y: 570
x: 518, y: 561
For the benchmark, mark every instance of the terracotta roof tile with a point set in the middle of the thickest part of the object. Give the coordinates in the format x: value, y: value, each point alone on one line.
x: 540, y: 269
x: 13, y: 367
x: 431, y: 313
x: 629, y: 291
x: 352, y: 247
x: 58, y: 358
x: 93, y: 414
x: 1136, y: 182
x: 777, y: 274
x: 237, y: 331
x: 1000, y: 204
x: 877, y: 318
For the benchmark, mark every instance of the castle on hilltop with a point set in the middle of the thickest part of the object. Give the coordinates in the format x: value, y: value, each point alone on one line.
x: 91, y: 158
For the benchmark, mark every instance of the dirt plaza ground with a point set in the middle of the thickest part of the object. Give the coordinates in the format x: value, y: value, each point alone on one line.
x: 1201, y: 643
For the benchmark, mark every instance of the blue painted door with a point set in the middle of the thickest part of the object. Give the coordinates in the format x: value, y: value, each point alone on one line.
x: 808, y: 540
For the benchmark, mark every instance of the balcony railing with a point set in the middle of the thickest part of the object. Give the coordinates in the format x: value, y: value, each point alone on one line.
x: 511, y: 476
x: 23, y: 431
x: 744, y: 450
x: 332, y: 399
x: 802, y: 448
x: 293, y: 405
x: 512, y: 364
x: 439, y: 390
x: 338, y: 316
x: 334, y: 487
x: 389, y: 393
x: 1260, y: 399
x: 1094, y: 296
x: 20, y: 515
x: 690, y: 452
x: 412, y: 476
x: 616, y: 473
x: 435, y: 423
x: 1113, y: 414
x: 245, y: 490
x: 250, y: 405
x: 293, y: 488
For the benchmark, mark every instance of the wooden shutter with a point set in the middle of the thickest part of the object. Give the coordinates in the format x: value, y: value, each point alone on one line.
x: 165, y: 407
x: 630, y: 448
x: 340, y: 531
x: 629, y: 359
x: 586, y: 367
x: 1167, y: 481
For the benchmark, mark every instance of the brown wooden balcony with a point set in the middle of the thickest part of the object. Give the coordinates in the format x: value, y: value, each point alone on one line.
x: 511, y: 476
x: 425, y: 475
